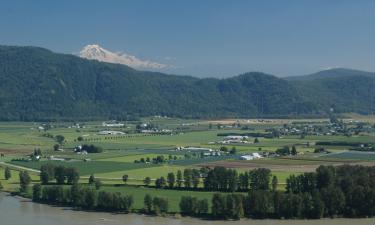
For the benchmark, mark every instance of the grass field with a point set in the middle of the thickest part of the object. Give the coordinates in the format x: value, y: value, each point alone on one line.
x: 86, y: 168
x: 12, y: 184
x: 174, y: 196
x: 352, y: 155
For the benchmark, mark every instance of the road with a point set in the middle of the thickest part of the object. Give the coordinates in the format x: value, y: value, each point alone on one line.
x: 18, y: 167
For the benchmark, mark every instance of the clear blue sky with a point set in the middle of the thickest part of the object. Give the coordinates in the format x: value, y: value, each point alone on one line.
x: 202, y: 37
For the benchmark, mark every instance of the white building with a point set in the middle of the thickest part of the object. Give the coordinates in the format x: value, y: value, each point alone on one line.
x: 236, y: 137
x: 251, y: 156
x: 194, y: 149
x: 111, y: 132
x: 112, y: 124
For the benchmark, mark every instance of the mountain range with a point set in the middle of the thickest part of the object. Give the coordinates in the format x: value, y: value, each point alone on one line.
x: 37, y: 84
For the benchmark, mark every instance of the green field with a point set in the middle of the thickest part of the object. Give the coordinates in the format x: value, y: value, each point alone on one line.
x: 87, y: 168
x: 350, y: 155
x: 173, y: 196
x: 19, y: 139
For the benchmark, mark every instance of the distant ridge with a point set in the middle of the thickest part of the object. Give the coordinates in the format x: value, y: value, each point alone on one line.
x: 37, y: 84
x: 332, y: 73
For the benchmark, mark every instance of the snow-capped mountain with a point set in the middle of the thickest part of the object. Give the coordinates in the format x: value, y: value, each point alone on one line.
x: 96, y: 52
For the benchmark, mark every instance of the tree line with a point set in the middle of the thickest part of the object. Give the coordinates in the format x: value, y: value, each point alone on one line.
x: 342, y: 191
x: 84, y: 197
x: 61, y: 174
x: 217, y: 179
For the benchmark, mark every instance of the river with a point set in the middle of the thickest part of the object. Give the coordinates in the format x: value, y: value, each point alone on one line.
x: 17, y: 211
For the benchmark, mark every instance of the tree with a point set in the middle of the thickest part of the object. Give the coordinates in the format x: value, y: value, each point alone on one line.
x: 160, y: 182
x: 325, y: 176
x: 147, y: 203
x: 188, y: 176
x: 125, y: 178
x: 202, y: 206
x: 37, y: 192
x: 294, y: 150
x: 195, y: 178
x: 60, y: 174
x: 171, y: 180
x: 244, y: 181
x: 47, y: 173
x: 233, y: 180
x: 160, y: 205
x: 191, y: 206
x: 7, y: 173
x: 233, y: 150
x: 218, y: 206
x: 179, y: 179
x: 56, y: 147
x: 223, y: 149
x: 98, y: 184
x: 77, y: 196
x: 259, y: 204
x: 188, y: 205
x: 234, y: 206
x: 91, y: 179
x: 260, y: 179
x: 90, y: 198
x: 274, y: 183
x: 72, y: 175
x: 80, y: 138
x: 147, y: 181
x: 25, y: 180
x: 92, y: 148
x: 60, y: 139
x: 334, y: 200
x: 256, y: 140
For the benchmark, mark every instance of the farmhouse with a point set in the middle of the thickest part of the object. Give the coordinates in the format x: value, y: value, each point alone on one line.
x: 194, y: 149
x: 236, y: 137
x: 110, y: 132
x: 112, y: 124
x: 251, y: 156
x: 52, y: 158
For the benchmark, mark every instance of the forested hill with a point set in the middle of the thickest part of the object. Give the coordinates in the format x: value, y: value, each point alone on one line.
x: 37, y: 84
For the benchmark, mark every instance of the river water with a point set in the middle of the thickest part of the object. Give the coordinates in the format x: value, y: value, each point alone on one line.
x: 17, y: 211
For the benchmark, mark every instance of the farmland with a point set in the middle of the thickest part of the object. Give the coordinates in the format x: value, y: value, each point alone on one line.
x: 149, y: 148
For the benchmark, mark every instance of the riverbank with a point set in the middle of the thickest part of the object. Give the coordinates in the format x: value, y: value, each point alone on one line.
x: 17, y: 210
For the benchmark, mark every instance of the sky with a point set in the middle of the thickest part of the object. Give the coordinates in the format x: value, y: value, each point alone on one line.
x: 213, y: 38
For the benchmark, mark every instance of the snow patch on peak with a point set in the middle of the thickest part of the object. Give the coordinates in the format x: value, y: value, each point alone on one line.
x: 95, y: 52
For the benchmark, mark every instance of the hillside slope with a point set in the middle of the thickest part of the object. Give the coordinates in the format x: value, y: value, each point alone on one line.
x: 37, y: 84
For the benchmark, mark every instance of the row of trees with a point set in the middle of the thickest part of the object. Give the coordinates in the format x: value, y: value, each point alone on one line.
x: 218, y: 179
x: 267, y: 204
x: 191, y: 206
x: 155, y: 205
x: 347, y: 191
x: 82, y: 197
x: 86, y: 197
x: 188, y: 179
x: 49, y: 172
x: 328, y: 192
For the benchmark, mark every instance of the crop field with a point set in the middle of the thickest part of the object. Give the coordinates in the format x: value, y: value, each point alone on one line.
x: 352, y: 155
x: 127, y: 152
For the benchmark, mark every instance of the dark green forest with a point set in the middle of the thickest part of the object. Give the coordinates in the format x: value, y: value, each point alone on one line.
x: 37, y: 84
